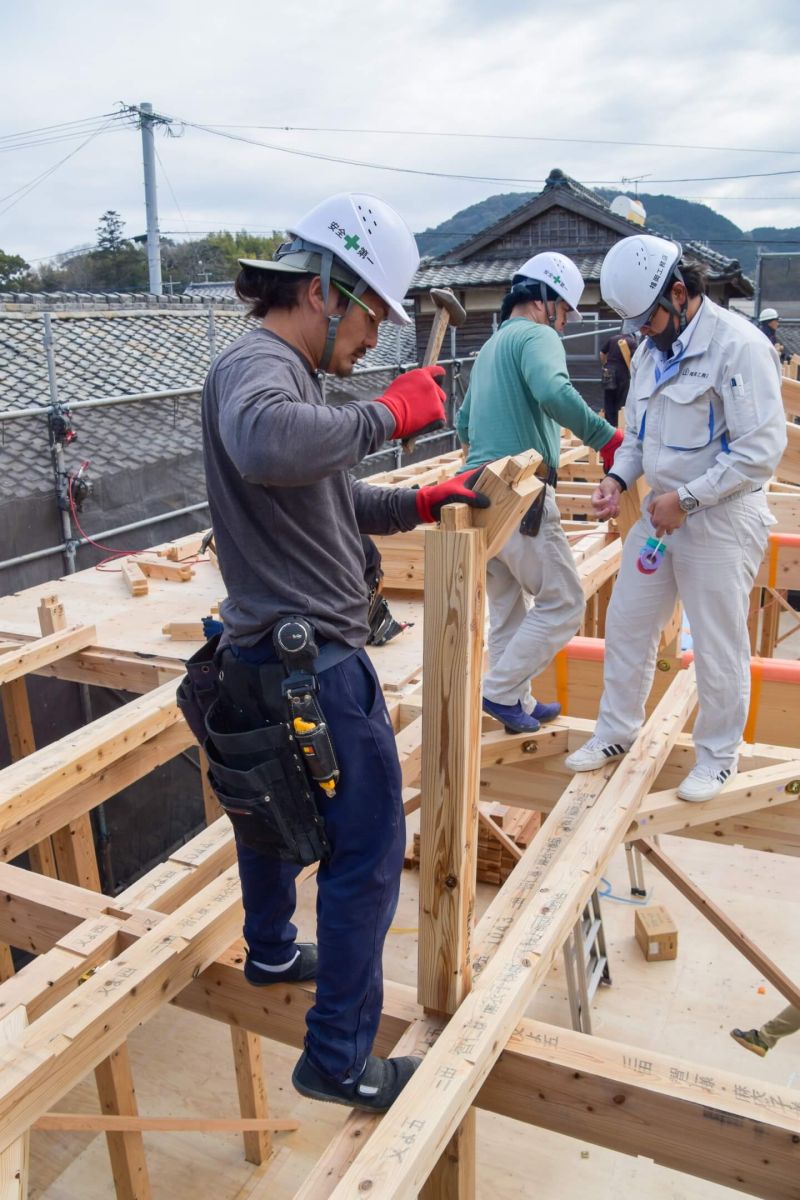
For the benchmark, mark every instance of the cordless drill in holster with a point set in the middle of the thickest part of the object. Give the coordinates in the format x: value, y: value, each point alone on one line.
x: 293, y: 638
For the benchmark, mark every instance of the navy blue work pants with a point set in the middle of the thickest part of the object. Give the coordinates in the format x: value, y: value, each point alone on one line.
x: 358, y: 886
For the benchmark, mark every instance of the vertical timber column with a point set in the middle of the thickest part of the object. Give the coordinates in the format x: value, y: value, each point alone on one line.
x: 117, y: 1095
x: 73, y: 846
x: 19, y: 731
x: 252, y: 1092
x: 14, y: 1159
x: 455, y: 583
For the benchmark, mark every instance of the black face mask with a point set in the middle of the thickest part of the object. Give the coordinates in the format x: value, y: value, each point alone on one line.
x: 663, y: 341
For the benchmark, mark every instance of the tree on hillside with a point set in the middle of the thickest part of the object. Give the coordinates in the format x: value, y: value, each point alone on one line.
x: 242, y: 244
x: 13, y: 272
x: 110, y: 228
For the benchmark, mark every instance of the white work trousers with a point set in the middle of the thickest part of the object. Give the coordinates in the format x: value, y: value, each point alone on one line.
x: 710, y: 563
x: 536, y: 605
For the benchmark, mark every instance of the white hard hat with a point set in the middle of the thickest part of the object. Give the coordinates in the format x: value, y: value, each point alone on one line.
x: 558, y: 272
x: 363, y: 233
x: 635, y: 274
x: 768, y: 314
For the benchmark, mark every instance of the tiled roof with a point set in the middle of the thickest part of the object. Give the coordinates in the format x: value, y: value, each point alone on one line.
x: 557, y: 184
x: 433, y: 273
x: 499, y: 272
x: 124, y: 353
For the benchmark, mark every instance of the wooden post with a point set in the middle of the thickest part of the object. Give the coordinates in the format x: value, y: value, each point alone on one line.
x: 21, y: 741
x: 453, y: 657
x: 455, y: 573
x: 753, y: 614
x: 770, y: 622
x: 71, y: 848
x: 125, y: 1149
x: 14, y: 1159
x: 252, y: 1092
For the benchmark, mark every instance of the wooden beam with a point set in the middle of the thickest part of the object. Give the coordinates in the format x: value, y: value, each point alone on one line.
x: 158, y: 568
x: 663, y: 812
x: 117, y: 1094
x: 455, y: 574
x: 252, y: 1094
x: 76, y: 1034
x: 73, y: 1122
x: 512, y: 486
x: 14, y: 1159
x: 455, y: 568
x: 29, y: 787
x: 728, y: 928
x: 398, y: 1159
x: 736, y: 1131
x: 134, y: 578
x: 629, y: 1099
x: 788, y: 469
x: 42, y: 652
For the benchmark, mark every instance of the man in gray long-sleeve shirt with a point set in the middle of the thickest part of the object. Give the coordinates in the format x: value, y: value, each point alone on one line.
x: 287, y: 521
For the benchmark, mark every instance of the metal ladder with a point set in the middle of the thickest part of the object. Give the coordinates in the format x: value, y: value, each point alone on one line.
x: 586, y: 963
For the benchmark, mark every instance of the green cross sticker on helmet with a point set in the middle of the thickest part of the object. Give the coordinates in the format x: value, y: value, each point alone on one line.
x: 559, y: 273
x: 358, y: 239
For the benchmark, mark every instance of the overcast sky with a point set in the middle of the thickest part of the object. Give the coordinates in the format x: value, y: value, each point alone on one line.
x: 720, y: 73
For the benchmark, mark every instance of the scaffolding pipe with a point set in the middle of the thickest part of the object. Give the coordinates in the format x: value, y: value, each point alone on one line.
x: 42, y: 410
x: 106, y: 533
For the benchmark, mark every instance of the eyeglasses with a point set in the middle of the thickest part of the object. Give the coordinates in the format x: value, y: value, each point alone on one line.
x: 355, y: 300
x: 651, y: 314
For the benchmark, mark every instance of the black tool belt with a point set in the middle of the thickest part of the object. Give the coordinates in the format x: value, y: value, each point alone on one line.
x: 237, y: 712
x: 532, y: 521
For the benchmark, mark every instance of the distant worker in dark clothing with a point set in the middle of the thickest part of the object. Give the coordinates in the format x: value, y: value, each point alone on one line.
x: 616, y: 353
x: 768, y: 322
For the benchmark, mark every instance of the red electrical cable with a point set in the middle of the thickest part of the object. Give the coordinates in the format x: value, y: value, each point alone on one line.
x: 115, y: 554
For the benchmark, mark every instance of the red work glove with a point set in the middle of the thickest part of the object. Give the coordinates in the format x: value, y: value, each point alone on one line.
x: 416, y: 401
x: 608, y: 451
x: 457, y: 490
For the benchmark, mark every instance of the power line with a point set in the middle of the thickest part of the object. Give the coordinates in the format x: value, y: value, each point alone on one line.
x: 353, y: 162
x: 509, y: 137
x: 27, y: 188
x: 61, y: 125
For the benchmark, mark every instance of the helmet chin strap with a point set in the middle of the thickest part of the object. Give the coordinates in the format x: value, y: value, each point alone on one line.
x: 550, y: 312
x: 660, y: 339
x: 325, y: 268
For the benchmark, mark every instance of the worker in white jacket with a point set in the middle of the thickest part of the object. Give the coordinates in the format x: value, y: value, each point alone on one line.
x: 705, y: 425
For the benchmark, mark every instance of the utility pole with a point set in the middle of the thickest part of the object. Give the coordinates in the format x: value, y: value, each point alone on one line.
x: 147, y: 122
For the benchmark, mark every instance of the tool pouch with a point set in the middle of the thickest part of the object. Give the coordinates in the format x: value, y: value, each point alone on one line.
x: 531, y: 523
x: 260, y: 781
x: 255, y: 769
x: 199, y: 688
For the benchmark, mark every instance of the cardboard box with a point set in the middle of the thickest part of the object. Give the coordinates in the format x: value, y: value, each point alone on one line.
x: 656, y: 933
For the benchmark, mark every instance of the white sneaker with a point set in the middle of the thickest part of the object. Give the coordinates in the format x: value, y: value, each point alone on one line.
x: 594, y: 754
x: 704, y: 783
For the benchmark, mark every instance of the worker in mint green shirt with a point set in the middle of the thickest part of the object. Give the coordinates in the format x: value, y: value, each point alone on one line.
x: 518, y: 399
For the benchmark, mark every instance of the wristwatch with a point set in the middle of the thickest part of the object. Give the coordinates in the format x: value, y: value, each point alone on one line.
x: 687, y: 501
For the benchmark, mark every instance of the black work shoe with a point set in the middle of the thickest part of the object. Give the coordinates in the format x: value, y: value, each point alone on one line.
x: 375, y: 1090
x: 302, y: 967
x: 751, y: 1039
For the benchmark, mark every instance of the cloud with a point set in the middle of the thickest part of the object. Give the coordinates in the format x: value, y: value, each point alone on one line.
x: 723, y: 74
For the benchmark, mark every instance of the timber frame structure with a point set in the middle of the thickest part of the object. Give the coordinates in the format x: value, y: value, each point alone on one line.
x: 173, y: 936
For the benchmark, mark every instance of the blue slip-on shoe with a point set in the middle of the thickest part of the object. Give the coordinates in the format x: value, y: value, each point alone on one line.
x: 546, y: 712
x: 512, y: 716
x: 375, y: 1090
x: 301, y: 968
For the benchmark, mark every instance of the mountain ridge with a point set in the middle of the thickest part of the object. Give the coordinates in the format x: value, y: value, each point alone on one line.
x: 683, y: 220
